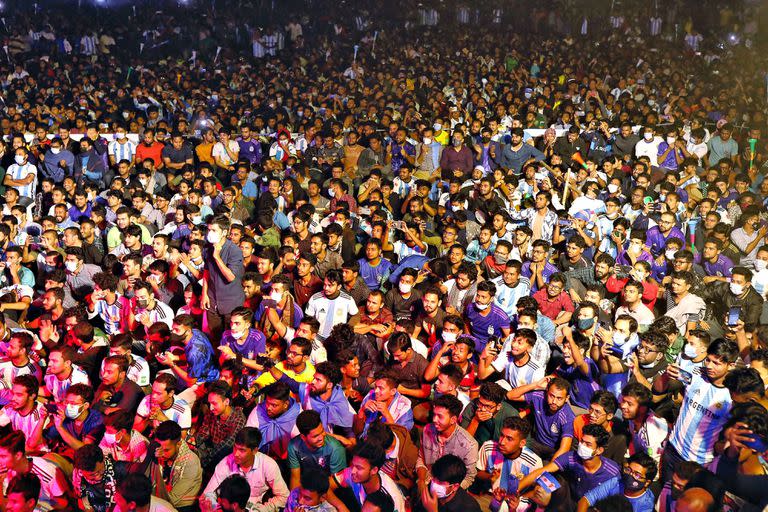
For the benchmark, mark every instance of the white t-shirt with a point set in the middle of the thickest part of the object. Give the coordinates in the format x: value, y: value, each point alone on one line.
x: 218, y: 151
x: 180, y: 411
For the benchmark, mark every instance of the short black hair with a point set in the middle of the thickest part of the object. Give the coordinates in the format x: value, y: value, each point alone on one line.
x: 450, y: 469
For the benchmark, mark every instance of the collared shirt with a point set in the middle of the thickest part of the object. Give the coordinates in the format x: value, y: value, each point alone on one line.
x: 262, y: 476
x: 460, y: 443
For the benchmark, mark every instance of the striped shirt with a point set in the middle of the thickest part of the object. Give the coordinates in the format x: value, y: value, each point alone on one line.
x: 9, y: 371
x: 88, y: 45
x: 17, y: 421
x: 703, y: 414
x: 180, y: 411
x: 124, y: 151
x: 58, y: 388
x: 49, y: 485
x: 650, y: 438
x: 506, y: 296
x: 138, y: 371
x: 510, y: 470
x: 19, y: 172
x: 331, y: 312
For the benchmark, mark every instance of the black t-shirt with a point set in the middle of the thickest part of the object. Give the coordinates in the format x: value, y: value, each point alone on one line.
x: 462, y: 502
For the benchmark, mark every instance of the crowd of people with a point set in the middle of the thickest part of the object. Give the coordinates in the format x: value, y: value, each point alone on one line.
x: 335, y: 264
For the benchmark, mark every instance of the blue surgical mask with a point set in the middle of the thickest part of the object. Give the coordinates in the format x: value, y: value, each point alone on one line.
x: 585, y: 323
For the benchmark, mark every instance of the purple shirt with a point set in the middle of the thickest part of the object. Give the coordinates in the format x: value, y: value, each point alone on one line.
x: 670, y: 162
x: 550, y: 428
x: 398, y: 160
x: 721, y: 268
x: 623, y: 259
x: 581, y: 480
x: 483, y: 327
x: 250, y: 150
x: 582, y: 386
x: 549, y: 269
x: 656, y: 241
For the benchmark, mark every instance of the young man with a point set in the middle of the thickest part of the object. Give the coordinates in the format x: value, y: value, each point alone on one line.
x: 261, y: 472
x: 276, y: 417
x: 444, y: 492
x: 162, y: 404
x: 121, y: 441
x: 332, y: 306
x: 310, y: 495
x: 220, y: 424
x: 553, y: 420
x: 634, y: 484
x: 384, y: 403
x: 705, y: 409
x: 503, y: 462
x: 24, y: 413
x: 313, y: 449
x: 587, y: 467
x: 647, y: 432
x: 364, y: 477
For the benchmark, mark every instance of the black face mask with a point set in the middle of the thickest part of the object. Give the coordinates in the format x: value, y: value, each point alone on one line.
x: 486, y: 140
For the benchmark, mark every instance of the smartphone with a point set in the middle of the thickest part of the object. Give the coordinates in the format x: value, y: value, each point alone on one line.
x: 548, y: 482
x: 685, y: 377
x: 615, y: 350
x: 757, y: 444
x: 51, y: 407
x: 564, y: 222
x: 733, y: 316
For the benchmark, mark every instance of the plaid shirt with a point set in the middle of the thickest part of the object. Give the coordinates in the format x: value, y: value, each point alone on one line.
x: 217, y: 436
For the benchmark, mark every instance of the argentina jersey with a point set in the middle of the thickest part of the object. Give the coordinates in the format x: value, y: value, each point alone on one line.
x: 490, y: 459
x: 704, y: 411
x: 506, y: 297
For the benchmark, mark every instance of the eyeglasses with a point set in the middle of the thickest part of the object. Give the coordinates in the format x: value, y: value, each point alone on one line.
x: 594, y: 412
x: 636, y: 474
x: 644, y: 349
x: 484, y: 406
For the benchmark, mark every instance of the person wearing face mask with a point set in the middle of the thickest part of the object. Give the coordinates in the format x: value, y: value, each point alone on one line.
x: 738, y: 293
x: 587, y: 466
x: 444, y: 492
x: 456, y: 160
x: 671, y: 151
x: 637, y: 475
x: 22, y: 175
x: 121, y: 148
x: 485, y: 318
x: 428, y: 155
x: 121, y: 441
x: 201, y: 362
x: 649, y: 146
x: 760, y: 277
x: 76, y: 424
x: 57, y: 161
x: 647, y: 361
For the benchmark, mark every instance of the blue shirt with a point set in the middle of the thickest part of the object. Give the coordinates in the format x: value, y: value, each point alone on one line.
x: 550, y: 428
x: 549, y: 269
x: 374, y: 276
x: 250, y: 150
x: 721, y: 268
x: 582, y: 386
x: 643, y: 503
x: 583, y: 481
x: 200, y: 359
x: 656, y: 241
x: 483, y: 327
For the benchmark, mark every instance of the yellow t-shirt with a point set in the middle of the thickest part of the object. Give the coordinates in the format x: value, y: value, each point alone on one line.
x: 266, y: 378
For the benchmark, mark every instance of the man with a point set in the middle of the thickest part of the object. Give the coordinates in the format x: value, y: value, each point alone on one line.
x: 24, y: 413
x: 444, y: 435
x: 147, y: 310
x: 76, y: 423
x: 314, y: 448
x: 705, y: 409
x: 364, y: 478
x: 515, y: 154
x: 121, y: 441
x: 175, y: 468
x: 375, y: 319
x: 656, y: 238
x: 408, y: 368
x: 310, y: 495
x: 79, y: 274
x: 484, y: 318
x: 61, y: 374
x: 222, y: 288
x: 540, y: 219
x: 325, y: 260
x: 510, y: 286
x: 306, y: 283
x: 324, y: 395
x: 503, y: 462
x: 634, y: 484
x: 55, y: 489
x: 116, y: 391
x: 484, y: 416
x: 259, y: 470
x: 374, y: 269
x: 632, y: 304
x: 383, y: 404
x: 444, y: 493
x: 109, y: 305
x: 58, y: 161
x: 737, y: 293
x: 403, y: 301
x: 716, y: 265
x: 553, y: 425
x: 276, y: 418
x: 722, y: 145
x: 161, y: 405
x: 18, y: 363
x: 220, y: 424
x: 587, y: 467
x: 22, y: 494
x: 201, y: 362
x: 295, y: 366
x: 647, y: 432
x: 554, y: 301
x: 331, y: 306
x: 538, y: 269
x: 22, y: 175
x: 514, y: 360
x: 134, y: 494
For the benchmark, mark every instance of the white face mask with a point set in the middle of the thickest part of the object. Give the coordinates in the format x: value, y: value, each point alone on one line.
x: 71, y: 265
x: 55, y: 151
x: 670, y: 254
x: 331, y: 192
x: 427, y: 141
x: 404, y: 288
x: 671, y: 140
x: 613, y: 188
x: 449, y: 337
x: 276, y: 296
x: 618, y: 338
x: 736, y: 289
x: 110, y: 439
x: 439, y: 490
x: 437, y: 127
x: 481, y: 307
x: 72, y: 411
x: 238, y: 334
x: 213, y: 238
x: 19, y: 159
x: 648, y: 136
x: 584, y: 452
x: 760, y: 265
x: 690, y: 352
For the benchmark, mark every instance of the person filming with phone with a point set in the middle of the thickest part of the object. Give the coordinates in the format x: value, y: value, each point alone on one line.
x: 730, y: 302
